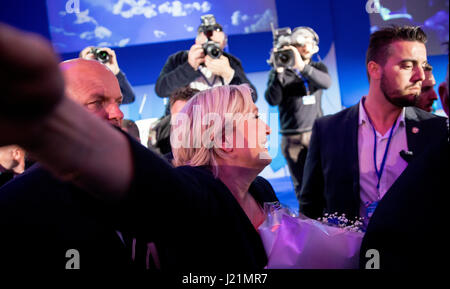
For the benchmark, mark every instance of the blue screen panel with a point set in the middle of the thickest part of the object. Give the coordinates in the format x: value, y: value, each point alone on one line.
x: 75, y: 24
x: 431, y: 15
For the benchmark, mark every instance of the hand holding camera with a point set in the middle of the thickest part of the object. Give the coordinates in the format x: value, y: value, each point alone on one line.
x: 291, y: 49
x: 211, y: 29
x: 196, y: 56
x: 281, y: 56
x: 299, y: 63
x: 220, y: 66
x: 105, y: 55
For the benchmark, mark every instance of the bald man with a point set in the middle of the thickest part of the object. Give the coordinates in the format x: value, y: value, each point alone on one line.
x: 12, y: 158
x: 12, y: 162
x: 95, y: 87
x: 43, y: 218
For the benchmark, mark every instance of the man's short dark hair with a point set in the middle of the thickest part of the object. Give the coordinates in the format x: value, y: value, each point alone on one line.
x: 184, y: 93
x: 380, y: 41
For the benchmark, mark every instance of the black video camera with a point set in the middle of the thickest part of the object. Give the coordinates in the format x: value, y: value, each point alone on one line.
x: 207, y: 27
x: 282, y: 57
x: 100, y: 55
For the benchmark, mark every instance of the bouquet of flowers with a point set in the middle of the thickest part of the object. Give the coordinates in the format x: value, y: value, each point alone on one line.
x: 298, y: 242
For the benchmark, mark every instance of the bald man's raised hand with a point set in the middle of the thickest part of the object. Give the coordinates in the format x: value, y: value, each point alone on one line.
x: 30, y: 80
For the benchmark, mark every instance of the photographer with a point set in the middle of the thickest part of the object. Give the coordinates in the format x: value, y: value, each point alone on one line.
x: 108, y: 57
x: 295, y: 85
x: 205, y: 65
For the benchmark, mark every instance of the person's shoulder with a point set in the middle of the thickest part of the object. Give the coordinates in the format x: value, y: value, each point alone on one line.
x: 35, y: 173
x: 196, y: 176
x: 319, y: 65
x: 262, y: 182
x: 34, y: 183
x: 429, y: 121
x: 349, y: 113
x: 232, y: 58
x: 182, y: 54
x: 421, y: 115
x: 262, y: 190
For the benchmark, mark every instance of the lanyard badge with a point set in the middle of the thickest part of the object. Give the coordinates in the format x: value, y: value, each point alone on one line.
x: 370, y: 208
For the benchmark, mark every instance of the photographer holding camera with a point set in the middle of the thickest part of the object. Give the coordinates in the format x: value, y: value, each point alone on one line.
x: 107, y: 56
x: 295, y: 85
x: 205, y: 65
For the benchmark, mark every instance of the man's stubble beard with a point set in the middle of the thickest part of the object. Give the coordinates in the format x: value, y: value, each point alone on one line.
x: 394, y: 96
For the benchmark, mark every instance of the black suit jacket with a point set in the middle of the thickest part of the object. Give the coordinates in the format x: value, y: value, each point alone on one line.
x: 331, y: 175
x: 42, y: 217
x: 408, y: 225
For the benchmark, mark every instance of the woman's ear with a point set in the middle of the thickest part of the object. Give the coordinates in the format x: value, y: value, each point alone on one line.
x: 227, y: 150
x: 226, y: 147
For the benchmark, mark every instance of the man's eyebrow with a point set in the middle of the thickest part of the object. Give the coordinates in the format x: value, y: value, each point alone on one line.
x: 408, y: 60
x: 415, y: 61
x: 96, y: 96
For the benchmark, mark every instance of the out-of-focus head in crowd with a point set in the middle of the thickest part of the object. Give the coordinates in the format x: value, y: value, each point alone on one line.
x: 427, y: 95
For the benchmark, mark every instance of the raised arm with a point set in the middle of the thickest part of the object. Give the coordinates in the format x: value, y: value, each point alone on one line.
x: 318, y: 76
x: 125, y: 88
x: 176, y: 73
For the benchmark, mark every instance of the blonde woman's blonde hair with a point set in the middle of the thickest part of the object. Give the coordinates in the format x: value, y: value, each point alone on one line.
x: 194, y: 138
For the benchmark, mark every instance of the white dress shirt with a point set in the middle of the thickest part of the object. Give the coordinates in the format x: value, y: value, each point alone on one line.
x: 394, y: 164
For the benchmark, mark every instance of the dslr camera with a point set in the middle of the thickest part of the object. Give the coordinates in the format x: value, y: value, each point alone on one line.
x: 100, y: 55
x: 208, y: 26
x: 282, y: 57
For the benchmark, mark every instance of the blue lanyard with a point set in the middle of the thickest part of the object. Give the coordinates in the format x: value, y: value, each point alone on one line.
x: 383, y: 162
x: 305, y: 81
x: 380, y: 172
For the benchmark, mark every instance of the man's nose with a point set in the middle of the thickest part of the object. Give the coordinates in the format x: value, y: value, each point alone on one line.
x: 419, y: 74
x: 114, y: 112
x: 433, y: 95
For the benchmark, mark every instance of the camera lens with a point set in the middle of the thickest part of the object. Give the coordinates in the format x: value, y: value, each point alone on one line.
x: 284, y: 58
x: 103, y: 56
x: 212, y: 49
x: 214, y: 52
